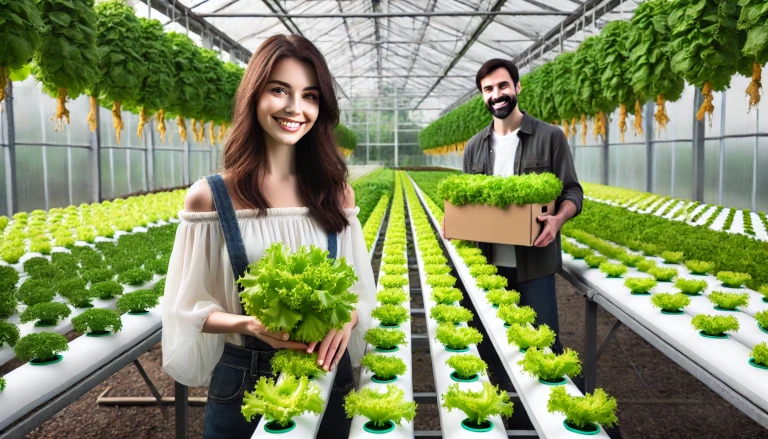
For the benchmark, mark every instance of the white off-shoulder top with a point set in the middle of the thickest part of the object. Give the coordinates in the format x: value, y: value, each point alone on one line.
x: 200, y: 281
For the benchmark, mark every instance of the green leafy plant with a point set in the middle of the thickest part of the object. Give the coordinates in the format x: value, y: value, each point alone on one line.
x: 461, y: 189
x: 763, y: 289
x: 9, y: 333
x: 46, y: 313
x: 503, y: 297
x: 384, y: 367
x: 98, y: 320
x: 478, y: 406
x: 380, y: 408
x: 296, y: 363
x: 434, y: 260
x: 450, y: 314
x: 137, y: 302
x: 699, y: 267
x: 762, y: 318
x: 475, y: 259
x: 579, y: 411
x: 525, y: 336
x: 9, y: 277
x: 392, y: 296
x: 594, y: 261
x: 613, y: 270
x: 396, y: 259
x: 732, y: 279
x: 457, y: 338
x: 391, y: 315
x: 437, y: 269
x: 728, y: 301
x: 135, y: 276
x: 580, y: 252
x: 279, y: 402
x: 516, y: 315
x: 646, y: 266
x: 2, y: 384
x: 630, y: 260
x: 441, y: 280
x: 386, y: 339
x: 690, y: 286
x: 482, y: 269
x: 491, y: 282
x: 650, y: 249
x: 550, y: 366
x: 672, y: 257
x: 20, y: 34
x: 303, y: 293
x: 392, y: 269
x: 34, y: 291
x: 447, y: 296
x: 159, y: 288
x: 715, y: 325
x: 41, y: 346
x: 466, y: 366
x: 640, y: 285
x: 760, y: 354
x: 393, y: 281
x: 670, y: 302
x: 663, y: 274
x: 106, y: 290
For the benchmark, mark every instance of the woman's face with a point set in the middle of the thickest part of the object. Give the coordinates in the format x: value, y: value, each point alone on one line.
x: 288, y: 107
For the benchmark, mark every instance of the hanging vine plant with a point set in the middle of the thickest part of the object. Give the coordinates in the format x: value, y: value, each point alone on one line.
x: 158, y: 88
x: 122, y: 69
x: 234, y: 77
x: 529, y: 101
x: 346, y: 140
x: 190, y: 80
x: 20, y: 27
x: 67, y: 63
x: 564, y: 92
x: 706, y: 46
x: 590, y: 99
x: 613, y: 61
x: 650, y: 71
x: 215, y: 77
x: 451, y: 132
x: 536, y: 94
x: 754, y: 20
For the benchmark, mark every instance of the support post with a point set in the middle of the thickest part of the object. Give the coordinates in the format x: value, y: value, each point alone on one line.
x: 590, y: 344
x: 697, y: 188
x: 149, y: 157
x: 650, y: 148
x: 721, y: 171
x: 181, y: 394
x: 605, y: 177
x: 367, y: 138
x: 395, y: 128
x: 185, y: 162
x: 10, y: 168
x: 95, y: 159
x: 754, y: 160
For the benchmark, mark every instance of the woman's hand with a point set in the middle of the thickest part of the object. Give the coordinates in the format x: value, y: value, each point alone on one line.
x: 333, y: 345
x: 278, y: 340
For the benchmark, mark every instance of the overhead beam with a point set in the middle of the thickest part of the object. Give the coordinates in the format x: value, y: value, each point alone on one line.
x: 422, y: 33
x: 198, y: 25
x: 376, y: 7
x: 387, y: 14
x: 475, y: 35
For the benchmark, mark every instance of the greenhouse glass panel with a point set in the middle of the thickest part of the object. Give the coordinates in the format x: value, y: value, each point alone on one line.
x: 588, y: 164
x: 711, y: 171
x: 119, y: 163
x: 137, y: 171
x: 627, y: 166
x: 29, y: 173
x: 27, y: 111
x: 737, y: 170
x: 663, y: 172
x: 81, y: 176
x: 762, y: 176
x: 58, y: 176
x: 680, y: 114
x: 738, y: 121
x: 683, y: 154
x: 3, y: 191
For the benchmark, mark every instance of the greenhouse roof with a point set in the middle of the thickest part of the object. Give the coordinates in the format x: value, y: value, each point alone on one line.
x: 428, y: 50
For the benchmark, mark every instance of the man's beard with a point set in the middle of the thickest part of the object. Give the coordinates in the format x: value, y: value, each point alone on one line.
x: 504, y: 112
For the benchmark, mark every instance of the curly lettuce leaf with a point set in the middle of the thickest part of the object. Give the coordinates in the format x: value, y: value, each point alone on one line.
x: 380, y: 407
x: 478, y: 406
x: 282, y: 401
x: 595, y: 408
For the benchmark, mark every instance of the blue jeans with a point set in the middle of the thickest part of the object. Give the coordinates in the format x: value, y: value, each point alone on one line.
x: 238, y: 371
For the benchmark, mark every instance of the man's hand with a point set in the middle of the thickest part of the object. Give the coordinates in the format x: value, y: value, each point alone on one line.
x: 551, y: 225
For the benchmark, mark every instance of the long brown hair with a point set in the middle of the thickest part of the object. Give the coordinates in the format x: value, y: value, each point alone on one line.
x: 320, y: 169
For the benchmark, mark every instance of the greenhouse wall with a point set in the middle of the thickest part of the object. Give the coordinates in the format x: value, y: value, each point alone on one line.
x: 53, y: 165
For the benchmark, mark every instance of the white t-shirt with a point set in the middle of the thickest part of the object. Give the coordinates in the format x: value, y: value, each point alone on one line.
x: 503, y: 149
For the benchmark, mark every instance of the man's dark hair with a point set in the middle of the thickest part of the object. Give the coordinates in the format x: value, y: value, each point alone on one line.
x: 494, y: 64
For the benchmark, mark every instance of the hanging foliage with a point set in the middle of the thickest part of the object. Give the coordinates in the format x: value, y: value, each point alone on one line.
x: 234, y: 75
x: 451, y: 132
x: 564, y: 92
x: 67, y: 62
x: 122, y: 69
x: 216, y: 99
x: 651, y: 73
x: 158, y: 89
x: 190, y: 80
x: 613, y: 61
x: 585, y: 72
x: 754, y: 20
x: 346, y: 139
x: 20, y: 27
x: 537, y: 91
x: 706, y: 46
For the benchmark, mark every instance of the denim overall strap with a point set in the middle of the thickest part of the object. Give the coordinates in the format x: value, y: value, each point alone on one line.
x: 333, y: 246
x: 228, y: 220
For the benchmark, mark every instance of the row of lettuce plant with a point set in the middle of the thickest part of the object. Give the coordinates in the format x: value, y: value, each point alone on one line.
x: 80, y: 276
x: 453, y: 333
x: 710, y: 326
x: 689, y: 212
x: 40, y: 231
x: 583, y: 413
x: 387, y: 408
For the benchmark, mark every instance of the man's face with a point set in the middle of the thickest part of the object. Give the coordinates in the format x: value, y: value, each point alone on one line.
x: 499, y: 93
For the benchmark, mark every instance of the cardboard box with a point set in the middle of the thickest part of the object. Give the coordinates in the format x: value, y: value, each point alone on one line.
x: 514, y: 225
